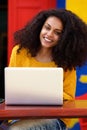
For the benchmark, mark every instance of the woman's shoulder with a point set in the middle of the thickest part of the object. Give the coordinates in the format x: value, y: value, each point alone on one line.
x: 23, y: 51
x: 15, y: 48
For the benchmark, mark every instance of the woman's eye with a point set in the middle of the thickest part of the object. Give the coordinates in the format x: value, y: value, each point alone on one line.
x: 47, y: 28
x: 58, y: 33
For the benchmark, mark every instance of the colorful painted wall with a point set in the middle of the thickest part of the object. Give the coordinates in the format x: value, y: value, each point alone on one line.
x: 80, y: 8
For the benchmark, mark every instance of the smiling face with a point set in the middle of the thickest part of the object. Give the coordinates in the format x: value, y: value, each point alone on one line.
x: 51, y: 32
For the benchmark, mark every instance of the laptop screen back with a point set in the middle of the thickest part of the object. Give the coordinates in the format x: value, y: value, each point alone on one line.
x: 33, y: 86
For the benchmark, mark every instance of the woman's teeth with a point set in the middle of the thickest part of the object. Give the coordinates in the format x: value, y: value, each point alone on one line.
x: 48, y: 40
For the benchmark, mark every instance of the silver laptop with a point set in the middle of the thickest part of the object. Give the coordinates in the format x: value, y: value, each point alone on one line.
x: 33, y: 86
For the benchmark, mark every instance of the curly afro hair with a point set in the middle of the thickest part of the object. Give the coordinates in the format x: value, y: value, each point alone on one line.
x: 71, y: 50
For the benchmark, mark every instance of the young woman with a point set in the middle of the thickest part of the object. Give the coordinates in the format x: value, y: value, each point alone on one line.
x: 54, y: 38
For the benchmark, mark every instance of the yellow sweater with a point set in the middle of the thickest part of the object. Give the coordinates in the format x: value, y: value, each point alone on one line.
x: 23, y: 59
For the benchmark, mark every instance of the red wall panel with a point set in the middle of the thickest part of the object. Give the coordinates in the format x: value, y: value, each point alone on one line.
x: 21, y: 11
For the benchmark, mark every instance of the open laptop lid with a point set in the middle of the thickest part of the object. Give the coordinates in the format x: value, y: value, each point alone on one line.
x: 33, y: 86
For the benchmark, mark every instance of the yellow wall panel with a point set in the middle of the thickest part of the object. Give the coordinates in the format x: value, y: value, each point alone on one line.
x: 79, y: 7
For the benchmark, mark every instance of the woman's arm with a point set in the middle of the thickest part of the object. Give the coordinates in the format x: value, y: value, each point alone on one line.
x: 69, y: 85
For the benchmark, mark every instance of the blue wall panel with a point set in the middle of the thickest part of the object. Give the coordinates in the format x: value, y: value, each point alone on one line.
x: 61, y: 3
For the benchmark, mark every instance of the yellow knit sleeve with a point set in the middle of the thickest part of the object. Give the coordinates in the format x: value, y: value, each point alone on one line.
x: 69, y: 85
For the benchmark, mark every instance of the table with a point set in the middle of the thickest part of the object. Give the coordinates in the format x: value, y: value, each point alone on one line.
x: 70, y: 109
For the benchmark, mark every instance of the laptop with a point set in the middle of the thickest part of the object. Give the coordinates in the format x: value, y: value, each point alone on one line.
x: 33, y: 86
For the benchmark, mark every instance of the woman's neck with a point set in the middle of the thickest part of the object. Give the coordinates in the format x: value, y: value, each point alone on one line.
x: 44, y: 55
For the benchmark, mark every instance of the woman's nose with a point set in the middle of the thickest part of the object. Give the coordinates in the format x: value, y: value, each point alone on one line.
x: 50, y: 33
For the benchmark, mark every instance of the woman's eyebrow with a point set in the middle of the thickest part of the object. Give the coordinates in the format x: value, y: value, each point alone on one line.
x: 57, y: 29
